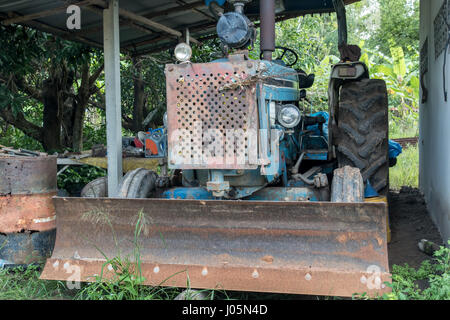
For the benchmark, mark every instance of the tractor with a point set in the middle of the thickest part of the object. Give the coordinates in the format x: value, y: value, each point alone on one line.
x: 254, y: 193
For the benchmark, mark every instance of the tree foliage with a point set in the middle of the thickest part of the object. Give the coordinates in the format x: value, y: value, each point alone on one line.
x: 45, y: 85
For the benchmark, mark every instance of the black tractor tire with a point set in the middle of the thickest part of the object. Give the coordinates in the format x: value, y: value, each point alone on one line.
x: 137, y: 184
x: 362, y: 139
x: 97, y: 188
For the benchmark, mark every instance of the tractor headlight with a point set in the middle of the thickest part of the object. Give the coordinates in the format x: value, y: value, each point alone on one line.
x: 183, y: 52
x: 289, y: 116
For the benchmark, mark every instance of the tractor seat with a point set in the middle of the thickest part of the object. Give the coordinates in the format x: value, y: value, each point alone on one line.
x: 305, y: 80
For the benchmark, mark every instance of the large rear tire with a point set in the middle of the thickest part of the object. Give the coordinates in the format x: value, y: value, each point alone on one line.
x: 362, y: 140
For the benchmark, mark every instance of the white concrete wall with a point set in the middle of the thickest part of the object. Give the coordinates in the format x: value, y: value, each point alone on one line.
x: 434, y: 143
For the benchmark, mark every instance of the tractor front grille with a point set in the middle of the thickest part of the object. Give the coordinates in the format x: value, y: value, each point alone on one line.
x: 212, y: 115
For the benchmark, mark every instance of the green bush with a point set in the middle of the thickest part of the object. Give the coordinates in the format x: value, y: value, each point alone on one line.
x: 74, y: 178
x: 436, y: 274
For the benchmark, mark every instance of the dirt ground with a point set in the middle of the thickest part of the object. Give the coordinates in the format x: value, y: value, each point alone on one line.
x: 409, y: 222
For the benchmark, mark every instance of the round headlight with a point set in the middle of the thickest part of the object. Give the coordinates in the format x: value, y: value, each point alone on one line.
x: 183, y: 52
x: 289, y: 116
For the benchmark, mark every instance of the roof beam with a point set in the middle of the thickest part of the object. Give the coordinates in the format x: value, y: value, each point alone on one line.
x: 99, y: 12
x: 160, y: 27
x: 57, y: 32
x: 166, y: 12
x: 207, y: 16
x: 203, y: 38
x: 49, y: 12
x: 150, y: 23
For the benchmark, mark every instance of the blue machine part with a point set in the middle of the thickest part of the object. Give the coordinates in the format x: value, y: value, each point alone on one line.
x: 219, y: 2
x: 395, y: 149
x: 317, y: 140
x: 266, y: 194
x: 195, y: 193
x: 159, y: 138
x: 282, y: 87
x: 316, y: 156
x: 369, y: 191
x: 315, y: 127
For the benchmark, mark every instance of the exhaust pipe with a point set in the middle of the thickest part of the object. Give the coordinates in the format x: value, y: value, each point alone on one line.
x: 339, y: 7
x: 267, y: 12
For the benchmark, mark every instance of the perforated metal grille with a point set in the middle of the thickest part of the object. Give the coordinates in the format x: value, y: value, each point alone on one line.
x: 213, y: 120
x: 424, y: 58
x: 441, y: 30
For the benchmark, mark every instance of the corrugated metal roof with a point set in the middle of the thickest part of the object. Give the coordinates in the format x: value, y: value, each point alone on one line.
x: 137, y: 37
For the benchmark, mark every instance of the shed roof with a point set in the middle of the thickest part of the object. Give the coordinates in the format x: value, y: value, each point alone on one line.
x: 145, y: 25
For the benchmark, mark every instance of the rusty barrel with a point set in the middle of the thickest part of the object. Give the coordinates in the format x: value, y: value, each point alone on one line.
x: 27, y: 213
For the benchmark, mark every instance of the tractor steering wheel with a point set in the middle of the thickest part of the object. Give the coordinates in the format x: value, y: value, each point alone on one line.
x: 290, y: 62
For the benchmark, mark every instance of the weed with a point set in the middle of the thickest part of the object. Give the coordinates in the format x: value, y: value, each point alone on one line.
x: 23, y: 284
x: 406, y: 171
x: 436, y: 274
x: 127, y: 280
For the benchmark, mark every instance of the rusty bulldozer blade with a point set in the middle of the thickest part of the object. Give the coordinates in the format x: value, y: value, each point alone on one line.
x: 317, y: 248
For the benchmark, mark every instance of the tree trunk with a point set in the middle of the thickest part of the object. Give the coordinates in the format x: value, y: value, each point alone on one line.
x: 80, y: 105
x: 51, y: 137
x: 140, y: 98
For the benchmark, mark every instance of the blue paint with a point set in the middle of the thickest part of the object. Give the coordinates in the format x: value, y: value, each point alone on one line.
x: 280, y: 94
x: 219, y: 2
x: 323, y: 156
x: 195, y: 193
x: 369, y: 191
x: 315, y: 127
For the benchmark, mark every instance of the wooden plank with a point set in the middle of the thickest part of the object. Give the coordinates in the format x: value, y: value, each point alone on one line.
x: 128, y: 164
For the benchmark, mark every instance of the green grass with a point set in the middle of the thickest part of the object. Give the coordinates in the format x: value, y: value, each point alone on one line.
x: 403, y: 128
x: 406, y: 171
x: 24, y: 284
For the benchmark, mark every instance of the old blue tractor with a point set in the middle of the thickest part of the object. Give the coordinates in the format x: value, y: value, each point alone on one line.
x: 235, y: 130
x: 254, y: 193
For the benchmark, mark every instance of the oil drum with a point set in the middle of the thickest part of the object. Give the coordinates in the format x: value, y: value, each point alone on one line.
x: 27, y: 213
